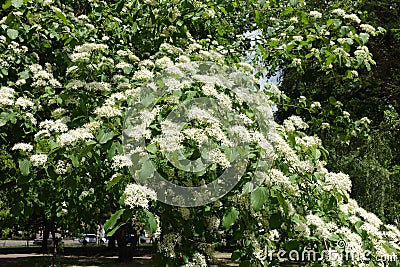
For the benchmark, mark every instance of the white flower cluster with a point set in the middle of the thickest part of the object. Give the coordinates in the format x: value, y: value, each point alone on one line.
x: 274, y: 234
x: 315, y: 14
x: 74, y: 135
x: 368, y: 29
x: 198, y: 260
x: 129, y: 54
x: 120, y: 161
x: 22, y: 146
x: 75, y: 84
x: 24, y: 102
x: 164, y: 63
x: 171, y: 137
x: 98, y: 86
x: 138, y: 196
x: 369, y: 217
x: 6, y: 96
x: 143, y: 74
x: 123, y: 65
x: 42, y: 77
x: 294, y: 122
x: 89, y: 47
x: 339, y: 12
x: 62, y: 167
x: 338, y: 181
x: 354, y: 245
x: 213, y: 223
x: 352, y: 17
x: 218, y: 157
x: 38, y: 159
x: 276, y: 177
x: 308, y: 141
x: 108, y: 111
x: 322, y: 229
x: 57, y: 126
x: 170, y: 241
x: 76, y: 57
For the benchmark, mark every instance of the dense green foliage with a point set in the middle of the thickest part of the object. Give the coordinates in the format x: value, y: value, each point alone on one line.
x: 69, y: 71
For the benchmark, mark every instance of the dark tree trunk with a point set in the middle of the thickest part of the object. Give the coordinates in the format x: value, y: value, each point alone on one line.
x: 111, y: 242
x: 46, y: 232
x: 124, y: 252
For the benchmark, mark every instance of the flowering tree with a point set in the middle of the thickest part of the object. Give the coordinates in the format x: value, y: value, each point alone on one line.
x: 73, y: 74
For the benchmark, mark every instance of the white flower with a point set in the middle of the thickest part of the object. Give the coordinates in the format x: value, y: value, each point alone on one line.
x: 62, y: 167
x: 198, y: 260
x: 123, y: 65
x: 169, y: 242
x: 23, y: 146
x: 79, y: 56
x: 339, y: 181
x: 368, y: 29
x: 120, y: 161
x: 143, y: 74
x: 365, y: 120
x: 74, y: 135
x: 308, y: 141
x: 315, y: 105
x: 339, y: 11
x: 294, y: 122
x: 164, y: 63
x: 88, y: 47
x: 57, y: 126
x: 38, y: 159
x: 352, y: 17
x: 296, y: 62
x: 298, y: 38
x: 274, y: 234
x: 47, y: 2
x: 98, y: 86
x: 315, y: 14
x: 218, y: 157
x: 108, y: 111
x: 31, y: 118
x: 138, y: 196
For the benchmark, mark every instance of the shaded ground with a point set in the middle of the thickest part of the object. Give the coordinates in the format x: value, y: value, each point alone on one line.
x: 39, y: 260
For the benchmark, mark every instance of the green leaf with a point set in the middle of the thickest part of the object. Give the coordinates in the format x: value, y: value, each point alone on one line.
x: 152, y: 221
x: 275, y: 221
x: 332, y: 100
x: 17, y: 3
x: 103, y: 137
x: 147, y: 170
x: 258, y: 198
x: 7, y: 4
x: 24, y: 166
x: 230, y: 217
x: 114, y: 181
x: 152, y: 148
x: 110, y: 223
x: 3, y: 118
x: 316, y: 153
x: 12, y: 33
x: 112, y: 232
x: 364, y: 37
x: 61, y: 16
